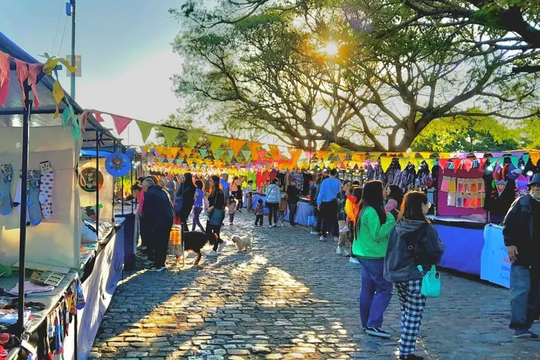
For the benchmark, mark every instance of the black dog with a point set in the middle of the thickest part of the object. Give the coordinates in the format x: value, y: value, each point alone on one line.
x: 195, y: 241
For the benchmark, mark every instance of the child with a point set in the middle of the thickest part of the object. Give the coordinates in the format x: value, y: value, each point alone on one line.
x: 259, y: 213
x: 248, y: 193
x: 232, y: 205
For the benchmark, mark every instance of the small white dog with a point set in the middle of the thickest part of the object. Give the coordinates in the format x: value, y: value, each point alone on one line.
x: 242, y: 243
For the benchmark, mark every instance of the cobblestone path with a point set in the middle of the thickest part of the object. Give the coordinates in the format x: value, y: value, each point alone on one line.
x: 291, y: 297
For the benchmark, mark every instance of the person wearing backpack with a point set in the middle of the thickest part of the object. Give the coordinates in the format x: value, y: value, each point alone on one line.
x: 373, y: 227
x: 413, y: 241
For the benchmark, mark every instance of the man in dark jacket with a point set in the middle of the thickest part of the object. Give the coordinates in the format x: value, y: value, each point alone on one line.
x: 159, y: 215
x: 522, y: 239
x: 293, y: 196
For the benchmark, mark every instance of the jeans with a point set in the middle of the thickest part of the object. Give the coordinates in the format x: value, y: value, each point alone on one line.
x: 272, y: 208
x: 196, y: 219
x: 146, y: 235
x: 375, y: 293
x: 160, y: 244
x: 292, y: 213
x: 525, y: 295
x: 231, y: 218
x: 211, y: 230
x: 329, y: 214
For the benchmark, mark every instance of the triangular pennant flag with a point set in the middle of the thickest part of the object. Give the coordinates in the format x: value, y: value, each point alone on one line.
x: 274, y: 151
x: 442, y: 163
x: 445, y: 155
x: 526, y: 159
x: 160, y: 150
x: 120, y: 123
x: 217, y: 153
x: 467, y: 163
x: 215, y: 142
x: 254, y: 148
x: 322, y: 154
x: 430, y: 163
x: 295, y: 154
x: 247, y: 154
x: 535, y: 156
x: 187, y: 151
x: 231, y: 153
x: 456, y: 163
x: 144, y: 150
x: 403, y: 162
x: 479, y: 155
x: 145, y: 129
x: 262, y: 154
x: 98, y: 116
x: 514, y: 160
x: 203, y: 152
x: 236, y: 145
x: 425, y: 154
x: 4, y: 77
x: 169, y: 134
x: 385, y: 162
x: 171, y: 153
x: 192, y: 138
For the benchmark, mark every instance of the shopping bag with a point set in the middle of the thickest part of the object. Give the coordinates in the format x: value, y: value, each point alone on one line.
x: 216, y: 217
x: 431, y: 282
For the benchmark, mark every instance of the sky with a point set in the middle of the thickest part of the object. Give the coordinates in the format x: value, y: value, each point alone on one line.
x: 125, y: 45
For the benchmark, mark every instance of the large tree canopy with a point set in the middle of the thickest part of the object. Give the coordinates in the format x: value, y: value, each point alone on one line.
x: 299, y: 71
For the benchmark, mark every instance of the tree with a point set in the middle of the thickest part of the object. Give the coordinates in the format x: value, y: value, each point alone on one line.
x: 377, y: 93
x: 468, y: 134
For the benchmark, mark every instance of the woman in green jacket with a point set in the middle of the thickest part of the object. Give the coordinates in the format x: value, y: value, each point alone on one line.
x: 372, y: 233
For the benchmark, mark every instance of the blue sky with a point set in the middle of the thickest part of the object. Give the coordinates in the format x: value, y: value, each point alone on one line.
x: 127, y: 59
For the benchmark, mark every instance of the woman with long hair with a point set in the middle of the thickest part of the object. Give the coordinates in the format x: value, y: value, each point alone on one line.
x: 216, y: 214
x: 369, y: 247
x: 413, y: 242
x: 187, y: 192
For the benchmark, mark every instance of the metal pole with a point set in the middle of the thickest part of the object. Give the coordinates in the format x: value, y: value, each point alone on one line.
x: 23, y: 205
x: 76, y: 345
x: 73, y: 47
x: 97, y: 179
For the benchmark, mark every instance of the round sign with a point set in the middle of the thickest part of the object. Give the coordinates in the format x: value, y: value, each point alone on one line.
x: 117, y: 164
x: 90, y: 179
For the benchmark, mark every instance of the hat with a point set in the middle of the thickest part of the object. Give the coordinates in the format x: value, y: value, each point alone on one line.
x: 535, y: 180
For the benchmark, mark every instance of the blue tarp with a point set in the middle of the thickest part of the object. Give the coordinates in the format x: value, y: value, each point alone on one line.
x: 92, y: 153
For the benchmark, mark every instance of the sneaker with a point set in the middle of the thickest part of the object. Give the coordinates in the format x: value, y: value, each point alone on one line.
x: 410, y: 357
x: 378, y: 332
x: 313, y: 233
x: 525, y: 334
x: 336, y: 239
x: 339, y: 251
x: 221, y: 246
x: 321, y: 238
x: 157, y: 269
x: 211, y: 253
x: 354, y: 260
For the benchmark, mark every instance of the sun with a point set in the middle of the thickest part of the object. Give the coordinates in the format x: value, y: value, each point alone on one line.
x: 331, y: 48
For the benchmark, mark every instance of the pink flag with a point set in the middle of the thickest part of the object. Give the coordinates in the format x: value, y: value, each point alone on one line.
x: 4, y: 77
x: 98, y: 116
x: 35, y: 69
x: 121, y: 123
x: 22, y: 75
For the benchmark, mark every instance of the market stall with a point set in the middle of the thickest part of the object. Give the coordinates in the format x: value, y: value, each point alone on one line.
x: 40, y: 223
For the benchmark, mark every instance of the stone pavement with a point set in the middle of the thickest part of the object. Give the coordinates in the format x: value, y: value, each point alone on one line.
x: 291, y: 297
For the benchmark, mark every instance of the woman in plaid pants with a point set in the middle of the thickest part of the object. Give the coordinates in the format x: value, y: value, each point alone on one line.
x: 413, y: 242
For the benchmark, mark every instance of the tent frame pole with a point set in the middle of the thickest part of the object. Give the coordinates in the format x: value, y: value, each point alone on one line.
x: 24, y: 195
x: 98, y: 135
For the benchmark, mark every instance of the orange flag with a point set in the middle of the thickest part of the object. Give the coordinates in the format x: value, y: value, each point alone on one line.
x: 295, y: 154
x: 254, y: 148
x: 236, y: 145
x: 274, y: 151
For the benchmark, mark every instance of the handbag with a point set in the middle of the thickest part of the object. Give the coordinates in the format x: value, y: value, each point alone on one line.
x: 431, y: 282
x: 178, y: 204
x: 216, y: 217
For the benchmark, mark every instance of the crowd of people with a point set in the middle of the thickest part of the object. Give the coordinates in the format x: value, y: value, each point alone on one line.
x: 387, y: 233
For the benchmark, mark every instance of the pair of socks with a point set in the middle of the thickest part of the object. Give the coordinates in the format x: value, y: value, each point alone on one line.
x: 6, y: 200
x: 46, y: 189
x: 33, y: 205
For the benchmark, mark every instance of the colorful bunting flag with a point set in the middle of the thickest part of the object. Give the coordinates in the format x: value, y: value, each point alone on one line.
x: 385, y: 162
x: 254, y: 148
x: 192, y: 138
x: 247, y: 154
x: 203, y: 152
x: 274, y: 151
x: 215, y: 142
x: 236, y: 145
x: 121, y: 123
x: 170, y: 134
x: 144, y: 127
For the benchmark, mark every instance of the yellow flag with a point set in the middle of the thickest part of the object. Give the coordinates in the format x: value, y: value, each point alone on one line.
x: 385, y: 162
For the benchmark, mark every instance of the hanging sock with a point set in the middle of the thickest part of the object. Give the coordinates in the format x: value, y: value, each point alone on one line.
x: 6, y: 200
x: 46, y: 189
x: 34, y: 206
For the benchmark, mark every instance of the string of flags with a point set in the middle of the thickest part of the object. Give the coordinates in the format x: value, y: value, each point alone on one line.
x: 209, y: 150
